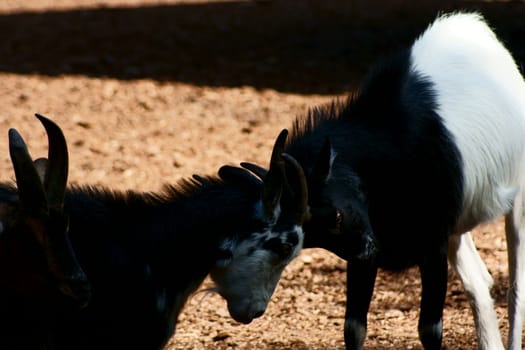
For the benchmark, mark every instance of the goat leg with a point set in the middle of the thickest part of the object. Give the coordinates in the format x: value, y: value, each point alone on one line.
x: 361, y: 275
x: 434, y: 276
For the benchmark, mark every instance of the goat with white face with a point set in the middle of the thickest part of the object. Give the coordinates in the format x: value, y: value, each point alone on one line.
x: 256, y: 263
x: 145, y: 253
x: 432, y: 145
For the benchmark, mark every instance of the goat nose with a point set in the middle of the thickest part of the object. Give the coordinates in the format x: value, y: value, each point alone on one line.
x: 258, y: 314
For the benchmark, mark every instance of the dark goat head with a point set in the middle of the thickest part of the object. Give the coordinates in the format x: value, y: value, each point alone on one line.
x: 322, y: 220
x: 36, y: 256
x: 248, y: 270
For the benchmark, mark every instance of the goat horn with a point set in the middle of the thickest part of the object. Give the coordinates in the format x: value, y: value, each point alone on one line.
x: 299, y: 188
x: 228, y: 172
x: 30, y: 191
x: 256, y: 169
x: 275, y: 178
x: 56, y: 176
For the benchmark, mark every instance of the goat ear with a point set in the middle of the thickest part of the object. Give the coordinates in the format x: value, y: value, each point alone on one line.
x: 297, y: 190
x: 41, y: 165
x: 323, y: 164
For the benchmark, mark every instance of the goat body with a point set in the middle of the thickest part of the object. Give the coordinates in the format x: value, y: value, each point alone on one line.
x: 145, y: 253
x: 432, y: 145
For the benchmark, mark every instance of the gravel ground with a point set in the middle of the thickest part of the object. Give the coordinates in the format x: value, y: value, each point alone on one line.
x: 148, y: 92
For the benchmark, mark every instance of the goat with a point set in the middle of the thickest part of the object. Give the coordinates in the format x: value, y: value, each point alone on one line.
x: 431, y: 145
x: 145, y: 253
x: 38, y: 268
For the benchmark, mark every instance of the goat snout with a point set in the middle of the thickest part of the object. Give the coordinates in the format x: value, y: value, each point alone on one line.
x: 247, y: 313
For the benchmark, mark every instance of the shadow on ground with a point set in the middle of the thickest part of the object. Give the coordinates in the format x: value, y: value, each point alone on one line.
x: 291, y: 46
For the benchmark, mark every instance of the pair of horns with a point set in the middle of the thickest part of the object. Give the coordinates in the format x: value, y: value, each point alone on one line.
x: 284, y: 183
x: 40, y: 193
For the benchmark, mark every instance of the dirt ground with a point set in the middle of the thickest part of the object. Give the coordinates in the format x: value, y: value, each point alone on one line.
x: 150, y: 91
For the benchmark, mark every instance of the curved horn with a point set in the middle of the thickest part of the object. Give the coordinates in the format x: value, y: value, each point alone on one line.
x: 275, y: 178
x: 228, y: 172
x: 30, y: 191
x: 256, y: 169
x: 299, y: 188
x: 57, y: 172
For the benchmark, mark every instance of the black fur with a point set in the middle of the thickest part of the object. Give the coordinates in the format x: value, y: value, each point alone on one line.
x: 393, y: 193
x: 395, y: 163
x: 143, y: 253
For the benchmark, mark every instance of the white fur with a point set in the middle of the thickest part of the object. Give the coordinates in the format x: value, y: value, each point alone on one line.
x: 477, y: 282
x: 481, y: 98
x: 250, y: 277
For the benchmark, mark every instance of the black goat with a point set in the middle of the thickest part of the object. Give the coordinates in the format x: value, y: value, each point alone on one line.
x: 38, y: 268
x: 145, y: 253
x: 432, y: 145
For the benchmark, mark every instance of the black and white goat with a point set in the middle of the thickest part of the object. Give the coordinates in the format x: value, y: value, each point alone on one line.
x: 38, y: 268
x: 144, y: 253
x: 432, y: 145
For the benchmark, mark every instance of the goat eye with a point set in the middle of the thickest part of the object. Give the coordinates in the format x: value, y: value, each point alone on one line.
x: 339, y: 217
x: 283, y: 250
